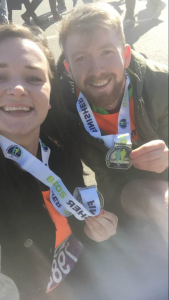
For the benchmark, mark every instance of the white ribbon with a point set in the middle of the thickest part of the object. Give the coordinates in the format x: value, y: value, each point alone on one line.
x: 60, y: 197
x: 90, y: 123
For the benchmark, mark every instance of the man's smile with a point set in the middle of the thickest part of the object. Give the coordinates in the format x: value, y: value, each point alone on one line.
x: 100, y: 83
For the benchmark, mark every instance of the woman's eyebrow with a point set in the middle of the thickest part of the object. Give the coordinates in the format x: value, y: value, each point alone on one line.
x: 33, y: 67
x: 2, y: 65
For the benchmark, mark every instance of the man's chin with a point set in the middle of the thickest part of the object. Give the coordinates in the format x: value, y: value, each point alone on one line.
x: 100, y: 100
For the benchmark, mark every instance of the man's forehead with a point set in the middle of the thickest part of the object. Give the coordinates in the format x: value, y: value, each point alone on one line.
x: 80, y: 40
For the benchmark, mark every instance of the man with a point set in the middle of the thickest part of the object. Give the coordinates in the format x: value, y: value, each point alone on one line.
x: 117, y: 101
x: 96, y: 61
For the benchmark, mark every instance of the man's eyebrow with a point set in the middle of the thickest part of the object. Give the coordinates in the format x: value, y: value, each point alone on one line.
x: 2, y: 65
x: 80, y: 52
x: 108, y: 45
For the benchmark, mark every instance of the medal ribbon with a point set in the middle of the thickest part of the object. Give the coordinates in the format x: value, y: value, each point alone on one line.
x: 90, y: 123
x: 60, y: 197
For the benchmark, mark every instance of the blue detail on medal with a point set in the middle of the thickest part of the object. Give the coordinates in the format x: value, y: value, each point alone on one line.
x: 123, y: 123
x: 14, y: 151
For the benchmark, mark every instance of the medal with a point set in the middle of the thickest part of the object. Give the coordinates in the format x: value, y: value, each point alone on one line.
x: 119, y: 144
x: 118, y: 157
x: 81, y: 193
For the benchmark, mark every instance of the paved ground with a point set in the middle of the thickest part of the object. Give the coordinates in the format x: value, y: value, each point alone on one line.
x: 149, y: 36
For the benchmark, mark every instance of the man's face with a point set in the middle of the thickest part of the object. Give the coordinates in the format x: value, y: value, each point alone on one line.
x: 96, y: 62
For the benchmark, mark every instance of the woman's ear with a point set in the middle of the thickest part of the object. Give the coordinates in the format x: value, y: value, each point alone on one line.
x: 67, y: 68
x: 127, y: 56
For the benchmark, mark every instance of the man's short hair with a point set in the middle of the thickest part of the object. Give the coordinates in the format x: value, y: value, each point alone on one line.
x: 88, y: 17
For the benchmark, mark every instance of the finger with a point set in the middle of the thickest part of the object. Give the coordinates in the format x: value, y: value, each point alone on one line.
x: 95, y: 237
x: 152, y: 168
x: 96, y: 226
x: 93, y: 234
x: 105, y: 227
x: 148, y: 147
x: 149, y: 156
x: 109, y: 216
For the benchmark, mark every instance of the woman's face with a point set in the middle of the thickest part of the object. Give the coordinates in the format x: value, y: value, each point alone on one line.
x: 24, y: 86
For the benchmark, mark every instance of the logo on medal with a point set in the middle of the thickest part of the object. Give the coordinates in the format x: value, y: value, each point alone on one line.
x: 14, y: 151
x: 45, y: 148
x: 118, y: 157
x: 123, y: 123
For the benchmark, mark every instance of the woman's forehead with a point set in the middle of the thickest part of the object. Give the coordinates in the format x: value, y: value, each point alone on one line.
x: 22, y: 49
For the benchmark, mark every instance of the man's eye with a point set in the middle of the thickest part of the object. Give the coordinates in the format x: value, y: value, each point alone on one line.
x: 33, y: 79
x: 107, y: 52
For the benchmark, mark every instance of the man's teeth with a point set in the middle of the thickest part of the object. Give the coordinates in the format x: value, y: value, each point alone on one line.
x: 16, y: 108
x: 100, y: 83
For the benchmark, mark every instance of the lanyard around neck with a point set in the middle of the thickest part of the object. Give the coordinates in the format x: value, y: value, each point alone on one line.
x: 123, y: 135
x: 60, y: 197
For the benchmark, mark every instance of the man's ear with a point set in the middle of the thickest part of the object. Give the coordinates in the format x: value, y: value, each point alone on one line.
x: 67, y: 68
x: 127, y: 56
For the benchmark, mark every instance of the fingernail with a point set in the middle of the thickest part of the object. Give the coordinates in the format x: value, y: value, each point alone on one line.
x: 96, y: 216
x: 102, y: 212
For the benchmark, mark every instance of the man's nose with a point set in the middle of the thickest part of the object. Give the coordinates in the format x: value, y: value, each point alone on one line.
x: 17, y: 90
x: 96, y: 67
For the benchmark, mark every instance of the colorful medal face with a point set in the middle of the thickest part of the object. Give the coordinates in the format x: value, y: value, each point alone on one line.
x: 118, y: 157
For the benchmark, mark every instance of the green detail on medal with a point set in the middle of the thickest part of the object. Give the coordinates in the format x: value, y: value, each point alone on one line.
x: 118, y: 157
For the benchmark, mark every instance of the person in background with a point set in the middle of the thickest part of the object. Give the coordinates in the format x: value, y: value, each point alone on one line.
x: 3, y: 12
x: 30, y: 12
x: 156, y: 7
x: 54, y: 9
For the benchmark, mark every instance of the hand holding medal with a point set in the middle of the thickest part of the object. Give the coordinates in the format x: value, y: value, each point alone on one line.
x: 101, y: 227
x: 152, y: 156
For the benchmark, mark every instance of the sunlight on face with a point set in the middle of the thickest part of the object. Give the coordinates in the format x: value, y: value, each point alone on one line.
x: 24, y: 86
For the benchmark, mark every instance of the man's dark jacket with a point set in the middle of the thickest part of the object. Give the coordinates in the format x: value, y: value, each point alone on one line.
x: 149, y: 80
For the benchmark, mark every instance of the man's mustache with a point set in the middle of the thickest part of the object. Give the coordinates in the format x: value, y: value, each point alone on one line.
x: 93, y: 79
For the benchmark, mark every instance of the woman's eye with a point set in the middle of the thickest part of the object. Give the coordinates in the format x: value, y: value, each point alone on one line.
x: 3, y: 77
x: 80, y: 59
x: 33, y: 79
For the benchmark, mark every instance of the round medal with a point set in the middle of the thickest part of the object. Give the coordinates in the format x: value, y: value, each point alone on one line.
x: 118, y: 157
x: 78, y: 197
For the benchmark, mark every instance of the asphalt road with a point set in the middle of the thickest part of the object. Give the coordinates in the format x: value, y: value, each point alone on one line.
x: 149, y: 36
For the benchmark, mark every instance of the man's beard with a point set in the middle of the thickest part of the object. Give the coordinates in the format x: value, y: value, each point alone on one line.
x: 106, y: 100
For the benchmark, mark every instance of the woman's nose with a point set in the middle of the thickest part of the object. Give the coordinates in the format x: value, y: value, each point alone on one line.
x: 17, y: 90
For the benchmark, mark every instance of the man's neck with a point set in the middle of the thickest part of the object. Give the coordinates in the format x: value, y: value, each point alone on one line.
x: 28, y: 141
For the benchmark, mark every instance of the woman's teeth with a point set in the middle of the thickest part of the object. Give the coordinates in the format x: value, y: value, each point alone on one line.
x: 16, y: 108
x: 100, y: 83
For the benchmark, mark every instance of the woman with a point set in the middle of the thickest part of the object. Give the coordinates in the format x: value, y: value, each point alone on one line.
x: 37, y: 245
